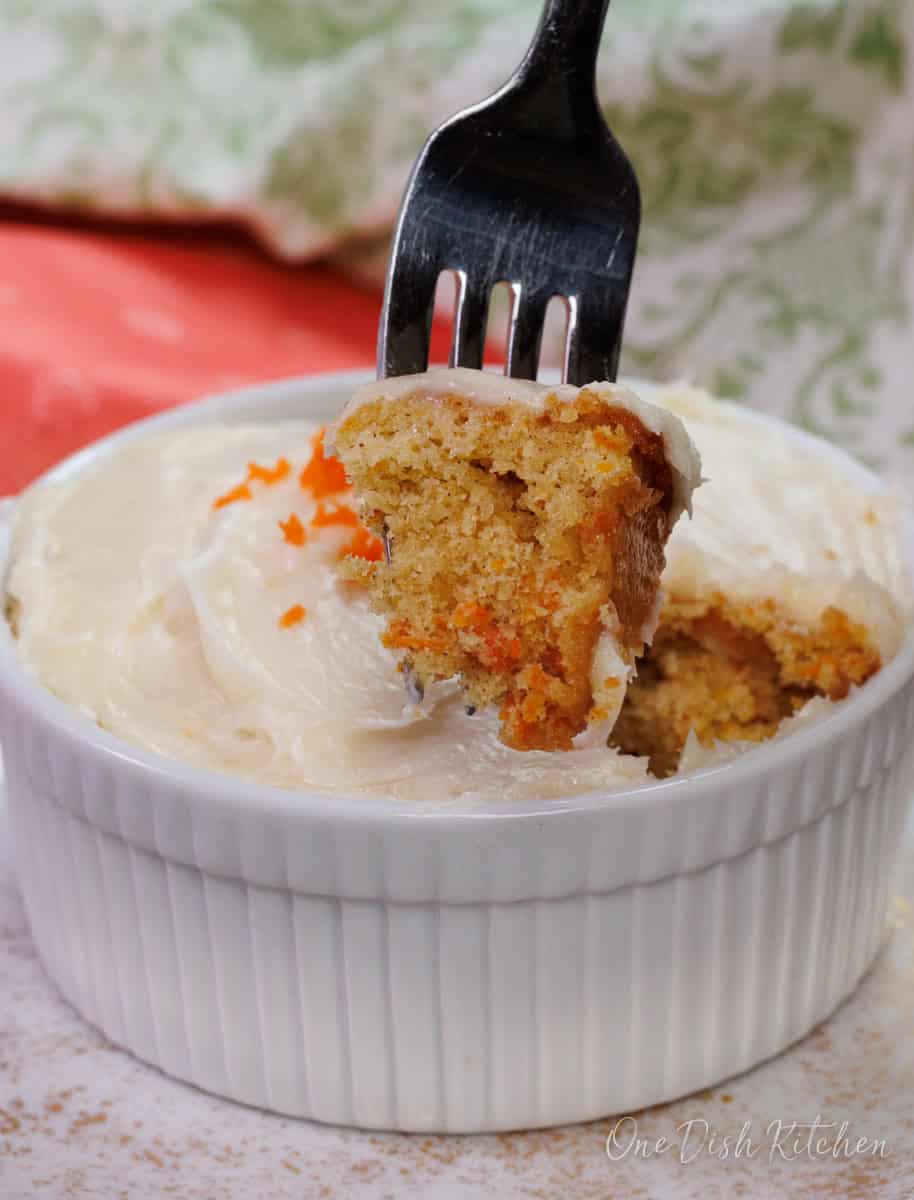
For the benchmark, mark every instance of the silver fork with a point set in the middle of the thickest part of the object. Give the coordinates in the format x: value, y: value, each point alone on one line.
x: 531, y: 189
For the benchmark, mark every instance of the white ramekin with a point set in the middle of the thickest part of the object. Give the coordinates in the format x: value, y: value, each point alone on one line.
x: 419, y: 967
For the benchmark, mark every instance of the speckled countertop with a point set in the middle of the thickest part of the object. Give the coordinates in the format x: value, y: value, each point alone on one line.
x: 79, y: 1118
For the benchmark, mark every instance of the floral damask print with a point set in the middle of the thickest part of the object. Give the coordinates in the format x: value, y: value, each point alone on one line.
x: 775, y: 263
x: 771, y: 137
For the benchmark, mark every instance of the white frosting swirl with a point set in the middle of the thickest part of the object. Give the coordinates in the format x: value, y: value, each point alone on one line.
x: 158, y: 617
x: 774, y: 521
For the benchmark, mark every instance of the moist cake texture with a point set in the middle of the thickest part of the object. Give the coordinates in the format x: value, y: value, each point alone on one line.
x: 732, y: 672
x: 527, y: 526
x: 788, y: 584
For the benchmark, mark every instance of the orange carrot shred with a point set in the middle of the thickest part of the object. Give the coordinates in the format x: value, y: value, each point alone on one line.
x: 363, y: 544
x: 470, y: 615
x: 340, y: 514
x: 323, y: 476
x: 292, y: 616
x: 241, y: 492
x: 535, y: 678
x: 401, y: 637
x: 269, y: 474
x: 293, y: 531
x: 532, y: 707
x: 502, y: 650
x: 615, y: 440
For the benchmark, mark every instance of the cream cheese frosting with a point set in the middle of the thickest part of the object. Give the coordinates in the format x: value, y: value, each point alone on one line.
x: 159, y: 615
x: 777, y: 521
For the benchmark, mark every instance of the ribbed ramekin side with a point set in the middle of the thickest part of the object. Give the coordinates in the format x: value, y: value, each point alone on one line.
x: 361, y: 849
x: 460, y: 1016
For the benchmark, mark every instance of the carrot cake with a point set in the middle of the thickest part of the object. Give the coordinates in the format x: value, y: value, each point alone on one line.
x: 525, y: 526
x: 196, y: 592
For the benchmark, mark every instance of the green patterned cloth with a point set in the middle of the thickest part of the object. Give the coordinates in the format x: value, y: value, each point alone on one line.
x: 774, y: 141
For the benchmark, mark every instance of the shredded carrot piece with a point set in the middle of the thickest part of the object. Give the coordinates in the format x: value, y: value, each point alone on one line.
x: 602, y: 524
x: 400, y: 636
x: 269, y: 474
x: 502, y: 650
x: 293, y: 531
x: 534, y: 681
x: 364, y: 544
x: 340, y: 514
x: 517, y: 711
x: 612, y: 441
x: 241, y: 492
x: 534, y: 678
x: 292, y: 616
x: 255, y: 472
x: 323, y: 476
x: 470, y: 615
x: 415, y: 642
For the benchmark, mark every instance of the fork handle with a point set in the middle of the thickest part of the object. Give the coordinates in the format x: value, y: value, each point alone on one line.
x: 562, y: 57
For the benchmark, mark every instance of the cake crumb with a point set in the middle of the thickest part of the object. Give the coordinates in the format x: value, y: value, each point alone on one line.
x: 521, y: 537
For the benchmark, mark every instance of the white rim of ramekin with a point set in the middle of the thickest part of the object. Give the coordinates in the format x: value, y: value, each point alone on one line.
x: 235, y: 793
